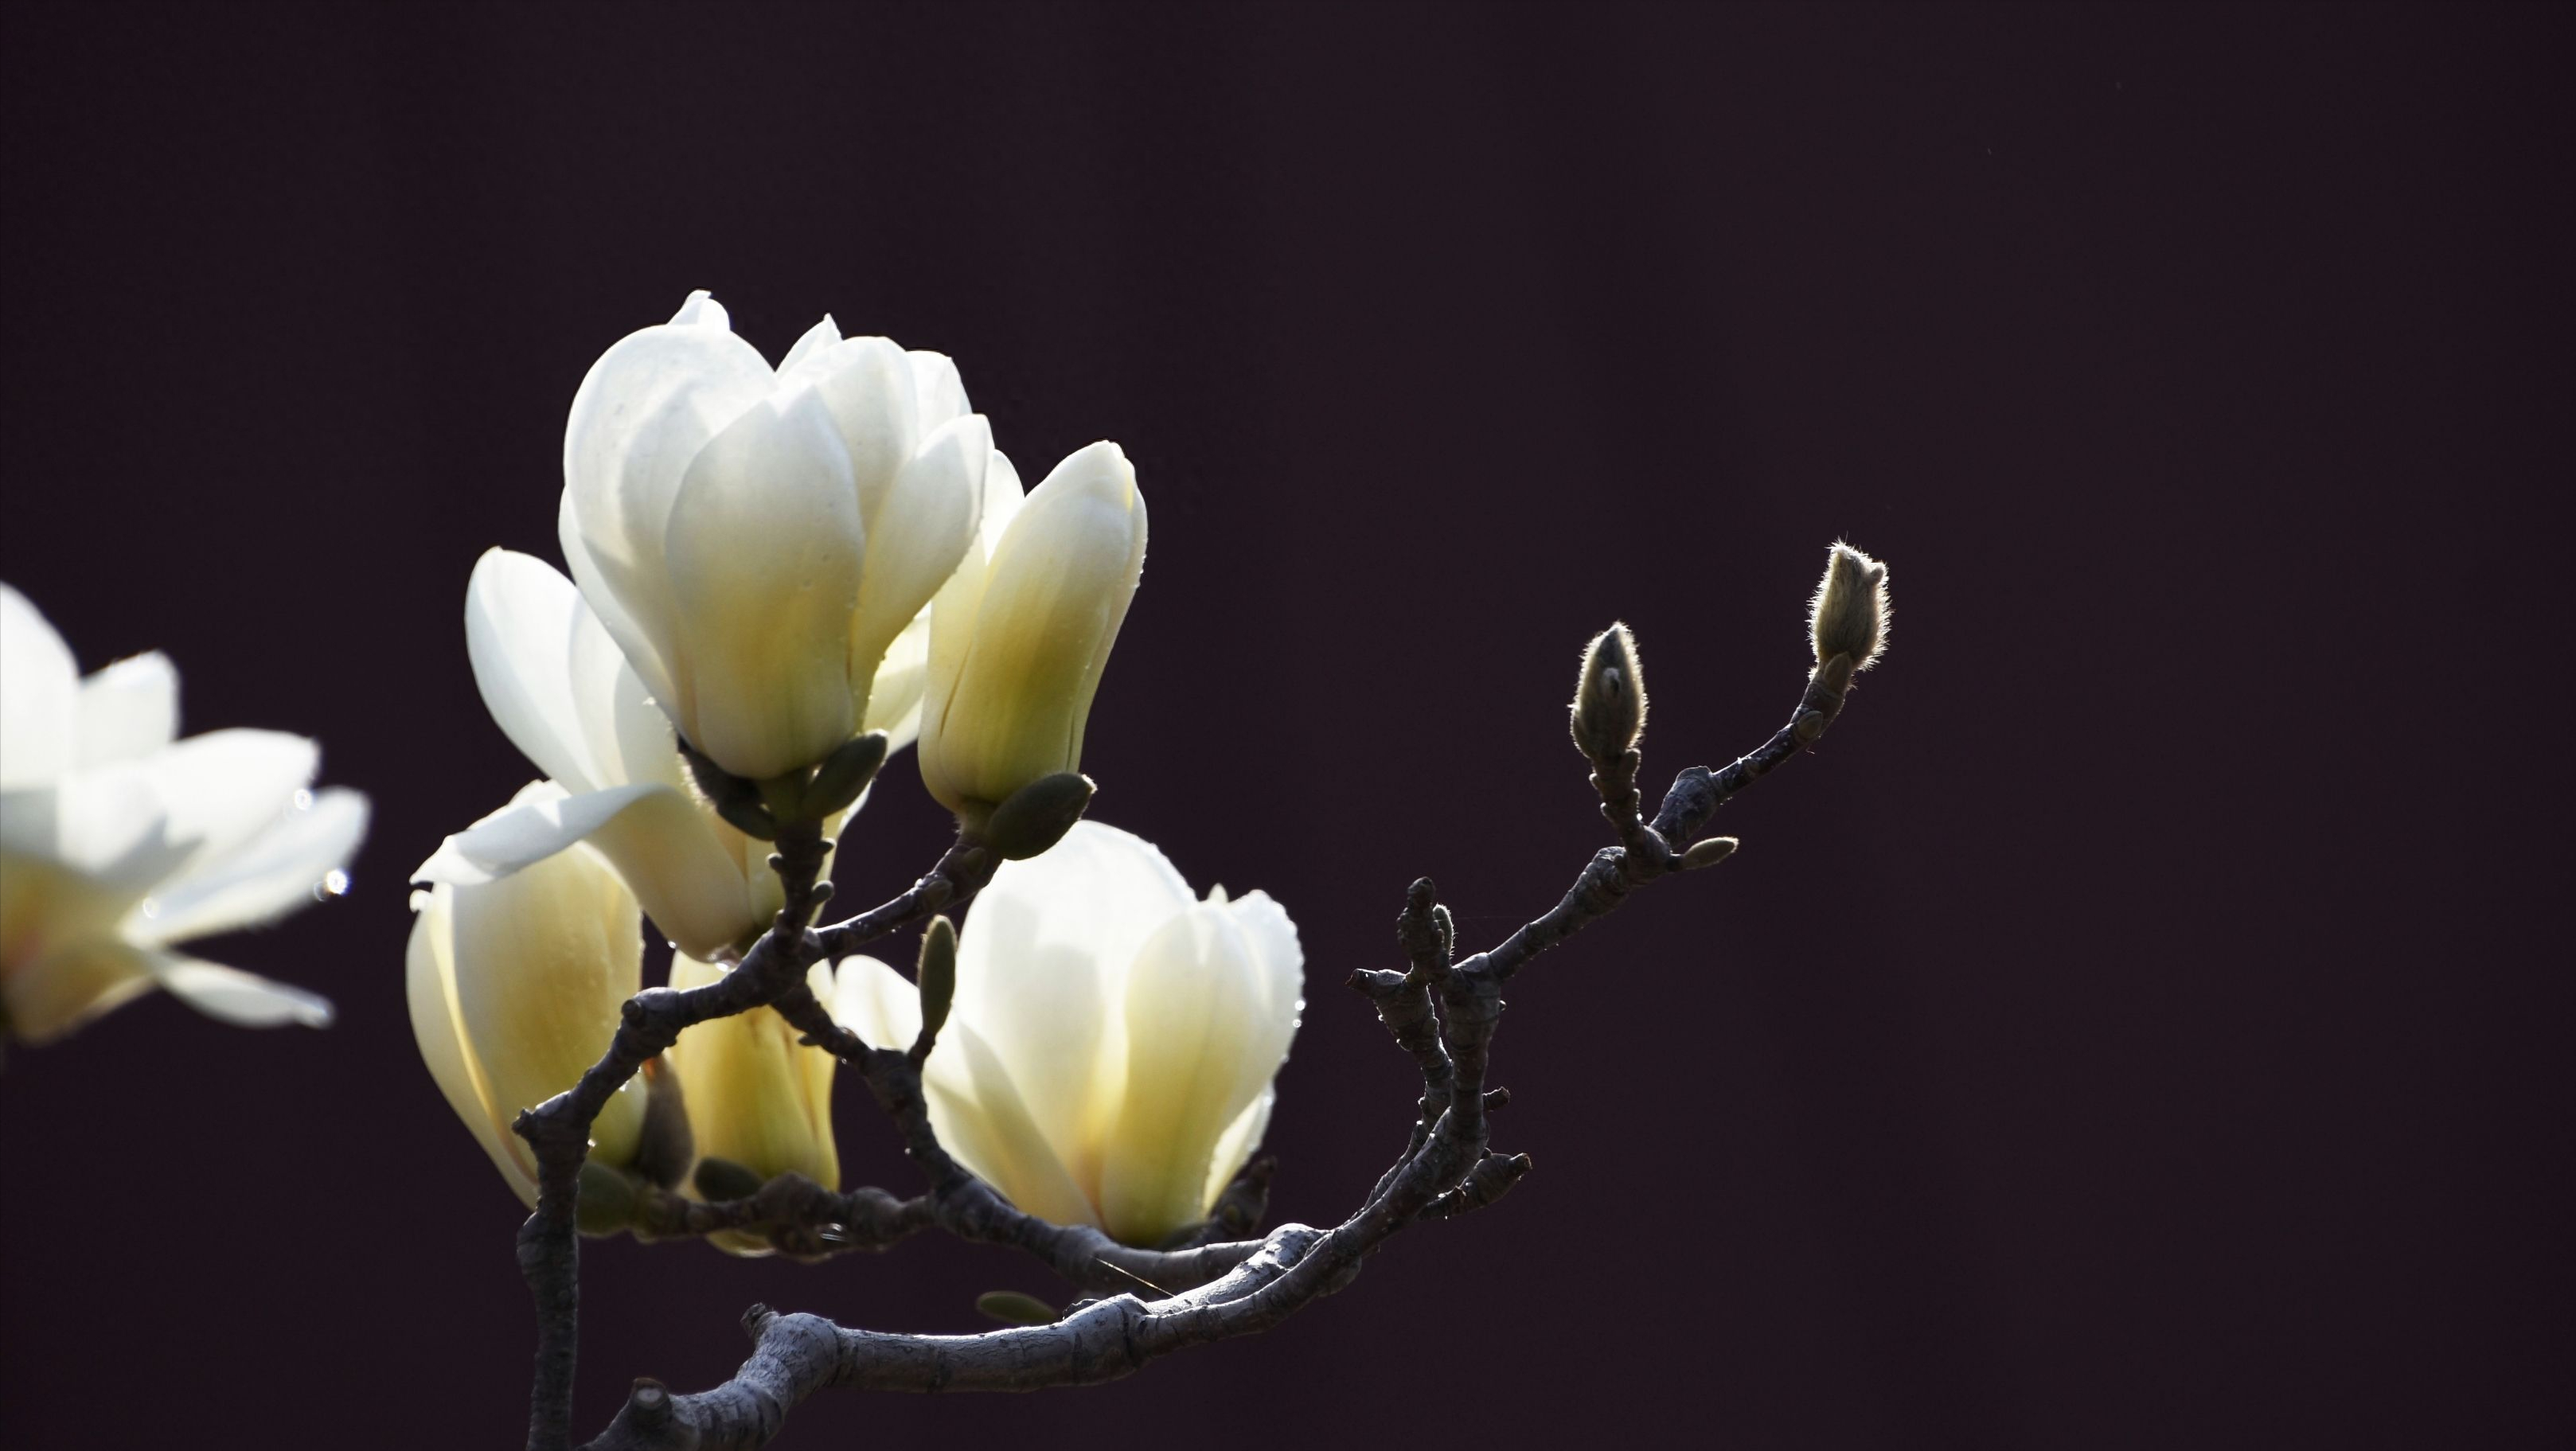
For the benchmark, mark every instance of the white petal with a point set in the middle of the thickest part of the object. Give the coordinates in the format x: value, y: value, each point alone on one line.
x: 231, y: 995
x: 106, y: 824
x: 876, y: 1002
x: 867, y: 385
x: 657, y: 838
x: 818, y: 337
x: 702, y: 310
x: 995, y: 1135
x: 1042, y: 967
x: 894, y: 697
x: 916, y: 540
x: 939, y: 393
x: 643, y: 412
x: 524, y: 624
x: 429, y: 985
x: 1197, y: 1056
x: 129, y: 709
x: 270, y: 875
x: 67, y: 987
x: 1234, y: 1147
x: 38, y: 696
x: 224, y: 787
x: 765, y: 549
x: 1281, y: 970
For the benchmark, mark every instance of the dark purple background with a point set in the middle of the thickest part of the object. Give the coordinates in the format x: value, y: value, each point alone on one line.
x: 2144, y: 1025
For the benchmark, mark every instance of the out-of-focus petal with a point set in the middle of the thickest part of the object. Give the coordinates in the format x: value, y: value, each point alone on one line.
x: 876, y: 1002
x: 231, y: 995
x: 224, y: 787
x: 71, y: 985
x: 129, y: 709
x: 266, y: 877
x: 39, y: 687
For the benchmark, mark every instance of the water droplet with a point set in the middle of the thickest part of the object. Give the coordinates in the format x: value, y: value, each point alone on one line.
x: 334, y: 883
x: 151, y: 908
x: 303, y: 800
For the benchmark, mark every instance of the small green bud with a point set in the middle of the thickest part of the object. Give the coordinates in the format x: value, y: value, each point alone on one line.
x: 722, y: 1179
x: 1849, y: 613
x: 1013, y: 1308
x: 1609, y: 710
x: 936, y: 975
x: 607, y: 1202
x: 735, y: 799
x: 1037, y: 815
x: 1708, y: 853
x: 843, y: 775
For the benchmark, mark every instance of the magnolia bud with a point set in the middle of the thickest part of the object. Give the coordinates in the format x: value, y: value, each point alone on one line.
x: 1849, y: 613
x: 1708, y: 853
x: 936, y: 976
x: 607, y: 1200
x: 843, y: 775
x: 1037, y: 815
x: 1609, y: 697
x: 718, y: 1180
x: 735, y: 799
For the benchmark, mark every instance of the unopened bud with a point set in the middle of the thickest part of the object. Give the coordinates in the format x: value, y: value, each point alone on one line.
x: 843, y: 775
x: 936, y: 975
x: 1708, y: 853
x: 1609, y: 697
x: 663, y: 1147
x: 607, y: 1202
x: 722, y: 1179
x: 1013, y: 1308
x: 1849, y: 613
x: 1835, y: 674
x: 1037, y: 815
x: 735, y: 799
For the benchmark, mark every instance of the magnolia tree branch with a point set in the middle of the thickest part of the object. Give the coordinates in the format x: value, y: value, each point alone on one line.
x: 1441, y: 1011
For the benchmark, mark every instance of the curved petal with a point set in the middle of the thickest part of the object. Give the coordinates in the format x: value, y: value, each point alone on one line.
x: 107, y: 824
x: 937, y: 390
x: 764, y: 555
x: 129, y: 709
x: 867, y: 386
x: 269, y: 876
x: 1042, y: 967
x: 660, y: 842
x: 1195, y: 1013
x: 875, y: 1002
x: 894, y: 698
x: 816, y: 338
x: 230, y: 995
x: 1281, y: 970
x: 917, y: 539
x: 524, y: 624
x: 642, y: 414
x: 1234, y: 1147
x: 429, y: 988
x: 39, y: 693
x: 224, y: 787
x: 994, y: 1134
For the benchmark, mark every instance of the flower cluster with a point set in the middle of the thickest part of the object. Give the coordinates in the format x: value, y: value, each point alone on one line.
x: 770, y: 569
x: 119, y: 841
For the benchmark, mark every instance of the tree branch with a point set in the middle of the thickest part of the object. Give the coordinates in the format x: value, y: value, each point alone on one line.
x: 1441, y: 1012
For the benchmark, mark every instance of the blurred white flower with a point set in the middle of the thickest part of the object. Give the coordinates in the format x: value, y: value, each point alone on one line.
x: 1109, y: 1057
x: 117, y: 840
x: 755, y: 540
x: 1020, y: 634
x: 756, y: 1096
x: 515, y: 987
x: 565, y: 696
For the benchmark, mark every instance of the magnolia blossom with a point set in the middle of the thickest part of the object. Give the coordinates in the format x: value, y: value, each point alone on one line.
x: 753, y: 539
x: 117, y: 840
x: 756, y: 1096
x: 573, y: 704
x: 1021, y: 633
x: 515, y: 987
x: 1109, y: 1056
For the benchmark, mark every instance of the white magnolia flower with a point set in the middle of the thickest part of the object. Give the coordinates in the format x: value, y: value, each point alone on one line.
x: 756, y: 1096
x: 565, y: 696
x: 1020, y: 634
x: 1109, y: 1056
x: 515, y: 987
x: 755, y: 540
x: 117, y: 841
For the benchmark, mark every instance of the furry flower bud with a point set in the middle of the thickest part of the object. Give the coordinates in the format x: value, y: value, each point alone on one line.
x: 1849, y: 613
